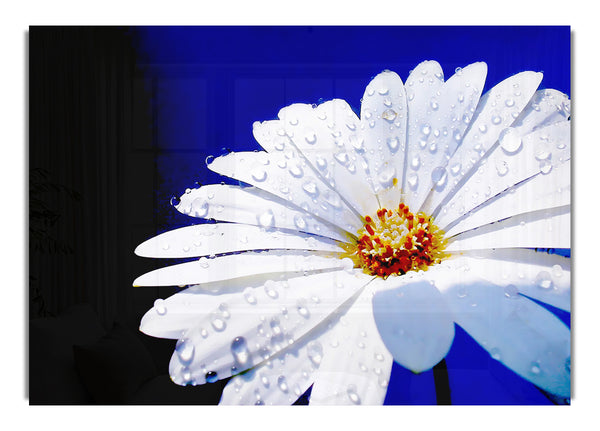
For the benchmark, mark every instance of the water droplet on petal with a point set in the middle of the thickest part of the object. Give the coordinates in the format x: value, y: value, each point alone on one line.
x: 544, y: 280
x: 218, y: 324
x: 415, y: 163
x: 511, y: 292
x: 545, y: 167
x: 496, y: 119
x: 267, y: 219
x: 160, y: 307
x: 282, y: 384
x: 311, y: 189
x: 439, y: 176
x: 211, y: 377
x: 239, y: 350
x: 351, y: 392
x: 301, y: 306
x: 393, y: 144
x: 557, y: 270
x: 296, y: 171
x: 535, y: 368
x: 389, y: 115
x: 386, y: 177
x: 315, y: 352
x: 501, y: 167
x: 310, y: 138
x: 510, y: 140
x: 199, y: 207
x: 259, y: 174
x: 495, y: 353
x: 413, y: 181
x: 425, y: 129
x: 175, y: 201
x: 185, y: 351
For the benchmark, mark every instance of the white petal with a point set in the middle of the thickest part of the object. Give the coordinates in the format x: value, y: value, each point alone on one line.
x: 514, y: 330
x: 285, y: 311
x: 510, y: 163
x: 448, y: 112
x: 539, y: 275
x: 545, y: 108
x: 227, y: 267
x: 496, y: 111
x: 414, y: 323
x: 217, y: 238
x: 549, y: 228
x: 290, y: 179
x: 383, y: 122
x: 252, y: 206
x: 272, y: 136
x: 355, y: 366
x: 329, y: 137
x: 539, y: 192
x: 279, y: 381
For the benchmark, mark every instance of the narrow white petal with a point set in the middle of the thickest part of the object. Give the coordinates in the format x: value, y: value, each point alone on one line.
x: 330, y: 138
x: 290, y: 179
x: 448, y: 113
x: 217, y: 238
x: 205, y: 270
x: 516, y: 160
x: 278, y: 381
x: 539, y: 275
x: 497, y: 110
x: 383, y: 120
x: 516, y: 331
x: 537, y: 193
x: 234, y: 335
x: 545, y: 108
x: 253, y: 206
x: 414, y: 323
x: 355, y: 366
x: 549, y: 228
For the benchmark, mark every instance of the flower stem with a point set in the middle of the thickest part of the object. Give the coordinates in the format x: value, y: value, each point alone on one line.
x: 442, y: 384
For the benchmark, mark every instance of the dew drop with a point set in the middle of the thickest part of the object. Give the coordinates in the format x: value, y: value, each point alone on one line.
x: 266, y: 219
x: 211, y: 377
x: 415, y: 163
x: 302, y: 308
x: 259, y: 174
x: 282, y: 384
x: 557, y: 270
x: 426, y: 130
x: 296, y: 171
x: 386, y: 177
x: 496, y: 119
x: 544, y: 280
x: 393, y: 144
x: 389, y: 115
x: 501, y: 167
x: 185, y: 351
x: 413, y: 181
x: 535, y: 368
x: 351, y: 392
x: 311, y: 189
x: 434, y: 105
x: 439, y: 176
x: 160, y: 307
x: 511, y: 292
x: 383, y: 91
x: 199, y: 207
x: 545, y: 167
x: 270, y: 289
x: 218, y: 324
x: 455, y: 169
x: 482, y: 128
x: 510, y: 141
x: 315, y: 352
x: 509, y: 102
x: 310, y: 138
x: 239, y: 350
x: 495, y: 353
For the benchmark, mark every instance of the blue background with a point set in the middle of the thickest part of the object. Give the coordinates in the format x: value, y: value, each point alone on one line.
x: 209, y: 84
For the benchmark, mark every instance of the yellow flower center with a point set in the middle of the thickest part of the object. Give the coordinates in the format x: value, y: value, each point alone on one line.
x: 395, y: 242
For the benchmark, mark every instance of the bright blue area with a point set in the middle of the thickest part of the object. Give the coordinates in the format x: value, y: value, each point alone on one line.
x: 209, y: 84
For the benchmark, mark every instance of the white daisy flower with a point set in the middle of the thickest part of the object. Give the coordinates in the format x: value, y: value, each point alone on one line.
x: 359, y: 241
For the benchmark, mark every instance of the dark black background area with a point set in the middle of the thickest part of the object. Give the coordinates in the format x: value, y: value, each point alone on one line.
x: 91, y: 199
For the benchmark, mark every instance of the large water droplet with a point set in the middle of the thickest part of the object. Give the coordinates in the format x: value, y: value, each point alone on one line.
x: 389, y: 115
x: 239, y: 350
x: 510, y: 140
x: 185, y: 351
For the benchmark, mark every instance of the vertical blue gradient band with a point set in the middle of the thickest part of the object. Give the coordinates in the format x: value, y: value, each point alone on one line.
x: 209, y: 84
